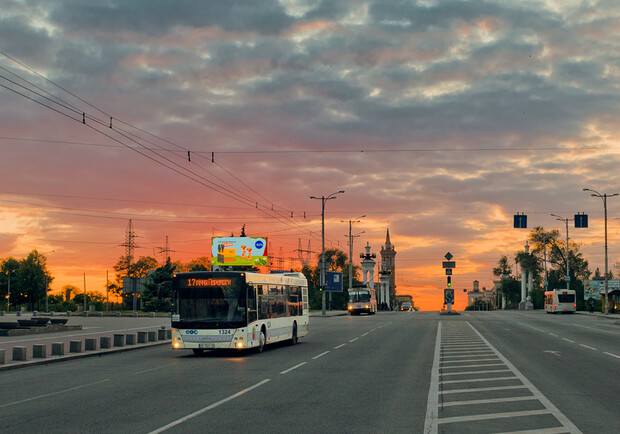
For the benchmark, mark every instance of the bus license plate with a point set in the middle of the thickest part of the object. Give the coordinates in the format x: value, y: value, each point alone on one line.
x: 206, y: 345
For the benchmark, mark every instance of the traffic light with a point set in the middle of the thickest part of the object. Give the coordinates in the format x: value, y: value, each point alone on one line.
x: 449, y: 281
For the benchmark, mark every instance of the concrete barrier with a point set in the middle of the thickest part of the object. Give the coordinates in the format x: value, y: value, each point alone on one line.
x: 169, y: 334
x: 2, y: 356
x: 1, y: 313
x: 19, y: 353
x: 152, y: 336
x: 130, y: 339
x: 135, y: 314
x: 90, y: 344
x: 104, y: 342
x: 118, y: 314
x: 100, y: 314
x: 58, y: 349
x: 75, y: 346
x: 161, y: 335
x: 68, y: 313
x: 152, y: 314
x: 119, y: 340
x: 142, y: 337
x: 39, y: 351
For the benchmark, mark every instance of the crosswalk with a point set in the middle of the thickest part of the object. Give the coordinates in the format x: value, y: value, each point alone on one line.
x: 474, y: 388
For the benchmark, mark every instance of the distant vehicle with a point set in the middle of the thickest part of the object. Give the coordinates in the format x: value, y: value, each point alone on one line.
x: 238, y: 310
x: 362, y: 299
x: 406, y: 306
x: 560, y: 300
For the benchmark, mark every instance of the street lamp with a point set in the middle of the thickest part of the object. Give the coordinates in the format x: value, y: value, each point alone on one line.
x: 322, y: 260
x: 566, y: 220
x: 355, y: 220
x: 604, y: 196
x: 8, y: 295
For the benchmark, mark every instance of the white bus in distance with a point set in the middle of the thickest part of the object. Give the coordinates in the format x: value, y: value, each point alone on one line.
x: 362, y: 299
x: 216, y: 310
x: 560, y: 300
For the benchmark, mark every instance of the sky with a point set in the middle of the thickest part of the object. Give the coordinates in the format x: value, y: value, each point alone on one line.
x: 440, y: 120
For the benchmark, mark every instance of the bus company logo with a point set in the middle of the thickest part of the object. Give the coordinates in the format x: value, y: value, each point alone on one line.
x: 208, y: 282
x: 191, y: 332
x: 259, y: 244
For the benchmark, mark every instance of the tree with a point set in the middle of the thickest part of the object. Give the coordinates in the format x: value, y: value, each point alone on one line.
x: 124, y: 269
x: 158, y: 289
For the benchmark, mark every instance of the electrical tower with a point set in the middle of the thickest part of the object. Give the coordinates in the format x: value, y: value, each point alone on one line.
x: 129, y: 245
x: 304, y: 259
x: 165, y: 251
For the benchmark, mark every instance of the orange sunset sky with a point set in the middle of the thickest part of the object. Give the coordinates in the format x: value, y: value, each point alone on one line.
x: 439, y: 120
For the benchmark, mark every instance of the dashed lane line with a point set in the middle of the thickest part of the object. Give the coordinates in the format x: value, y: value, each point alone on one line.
x: 299, y: 365
x: 320, y: 355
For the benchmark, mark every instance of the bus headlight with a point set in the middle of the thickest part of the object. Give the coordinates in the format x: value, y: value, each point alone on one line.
x: 239, y: 345
x: 176, y: 345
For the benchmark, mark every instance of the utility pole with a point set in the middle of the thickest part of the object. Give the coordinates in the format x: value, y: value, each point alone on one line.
x: 322, y: 258
x: 355, y: 220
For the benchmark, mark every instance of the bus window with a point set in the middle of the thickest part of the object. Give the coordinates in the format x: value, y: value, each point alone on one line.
x: 252, y: 307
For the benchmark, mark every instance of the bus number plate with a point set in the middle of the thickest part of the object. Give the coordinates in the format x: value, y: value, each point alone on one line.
x: 206, y: 345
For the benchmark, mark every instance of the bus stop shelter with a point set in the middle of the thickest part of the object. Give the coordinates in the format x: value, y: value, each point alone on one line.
x: 614, y: 300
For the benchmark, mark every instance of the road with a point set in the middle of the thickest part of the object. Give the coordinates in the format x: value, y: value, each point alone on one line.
x: 391, y: 372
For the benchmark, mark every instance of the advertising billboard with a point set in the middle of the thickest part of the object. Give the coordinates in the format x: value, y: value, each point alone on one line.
x: 594, y: 288
x: 231, y: 251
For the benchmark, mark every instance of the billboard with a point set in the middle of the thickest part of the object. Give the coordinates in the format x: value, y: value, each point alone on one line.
x: 594, y: 288
x: 231, y: 251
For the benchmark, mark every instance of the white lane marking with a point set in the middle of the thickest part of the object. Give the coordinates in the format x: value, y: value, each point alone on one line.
x: 537, y: 393
x: 469, y: 360
x: 53, y: 393
x: 467, y: 355
x: 613, y: 355
x: 481, y: 389
x: 478, y: 380
x: 554, y: 430
x: 294, y: 367
x: 211, y: 407
x: 568, y: 340
x: 586, y: 346
x: 472, y: 366
x: 354, y: 339
x: 339, y: 346
x: 154, y: 369
x: 487, y: 401
x: 320, y: 355
x: 365, y: 333
x: 553, y: 335
x: 432, y: 404
x: 493, y: 416
x: 535, y: 328
x: 488, y: 371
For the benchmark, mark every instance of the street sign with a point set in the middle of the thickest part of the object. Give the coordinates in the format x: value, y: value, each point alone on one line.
x: 520, y: 221
x: 448, y: 296
x: 448, y: 271
x: 448, y: 256
x: 449, y: 264
x: 581, y: 220
x: 333, y: 281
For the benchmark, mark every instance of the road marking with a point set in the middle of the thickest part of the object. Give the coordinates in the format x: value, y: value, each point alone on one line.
x: 339, y: 346
x: 466, y: 355
x: 554, y: 335
x: 568, y: 340
x: 472, y: 366
x: 475, y: 372
x: 154, y: 369
x: 432, y: 409
x: 482, y: 389
x: 526, y: 325
x: 586, y: 346
x: 53, y: 393
x: 555, y: 353
x: 486, y: 401
x: 365, y: 333
x: 211, y: 407
x: 554, y: 430
x: 320, y: 355
x: 294, y: 367
x: 354, y: 339
x: 537, y: 393
x: 478, y: 380
x: 493, y: 416
x: 469, y: 360
x: 613, y: 355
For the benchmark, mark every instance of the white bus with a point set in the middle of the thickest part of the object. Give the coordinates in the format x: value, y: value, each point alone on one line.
x: 362, y: 299
x: 240, y: 310
x: 560, y: 300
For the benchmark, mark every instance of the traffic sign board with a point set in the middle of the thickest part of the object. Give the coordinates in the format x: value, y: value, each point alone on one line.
x: 449, y: 264
x: 448, y: 256
x: 448, y: 271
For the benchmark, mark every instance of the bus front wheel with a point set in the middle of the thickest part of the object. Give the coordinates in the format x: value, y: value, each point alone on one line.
x: 261, y: 342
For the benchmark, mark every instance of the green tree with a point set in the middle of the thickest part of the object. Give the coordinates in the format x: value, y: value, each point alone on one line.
x: 28, y: 280
x: 126, y: 268
x: 158, y: 289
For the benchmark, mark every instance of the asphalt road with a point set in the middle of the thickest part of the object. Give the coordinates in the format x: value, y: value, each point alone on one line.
x: 378, y: 373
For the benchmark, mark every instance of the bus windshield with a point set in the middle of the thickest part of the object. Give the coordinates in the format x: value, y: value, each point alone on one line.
x: 566, y: 298
x: 212, y: 302
x: 359, y: 296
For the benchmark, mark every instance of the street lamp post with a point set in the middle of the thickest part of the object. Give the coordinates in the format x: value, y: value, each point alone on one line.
x: 8, y: 295
x: 322, y: 259
x: 47, y: 284
x: 355, y: 220
x: 565, y: 220
x: 604, y: 197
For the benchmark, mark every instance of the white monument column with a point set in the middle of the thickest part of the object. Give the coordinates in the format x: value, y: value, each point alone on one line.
x: 368, y: 267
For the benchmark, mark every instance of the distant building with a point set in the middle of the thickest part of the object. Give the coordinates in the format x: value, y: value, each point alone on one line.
x: 483, y: 300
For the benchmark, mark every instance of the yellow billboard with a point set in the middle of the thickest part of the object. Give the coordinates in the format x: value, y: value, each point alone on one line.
x: 231, y: 251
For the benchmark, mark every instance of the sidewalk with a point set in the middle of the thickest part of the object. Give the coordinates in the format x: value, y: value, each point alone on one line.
x: 611, y: 316
x: 97, y: 336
